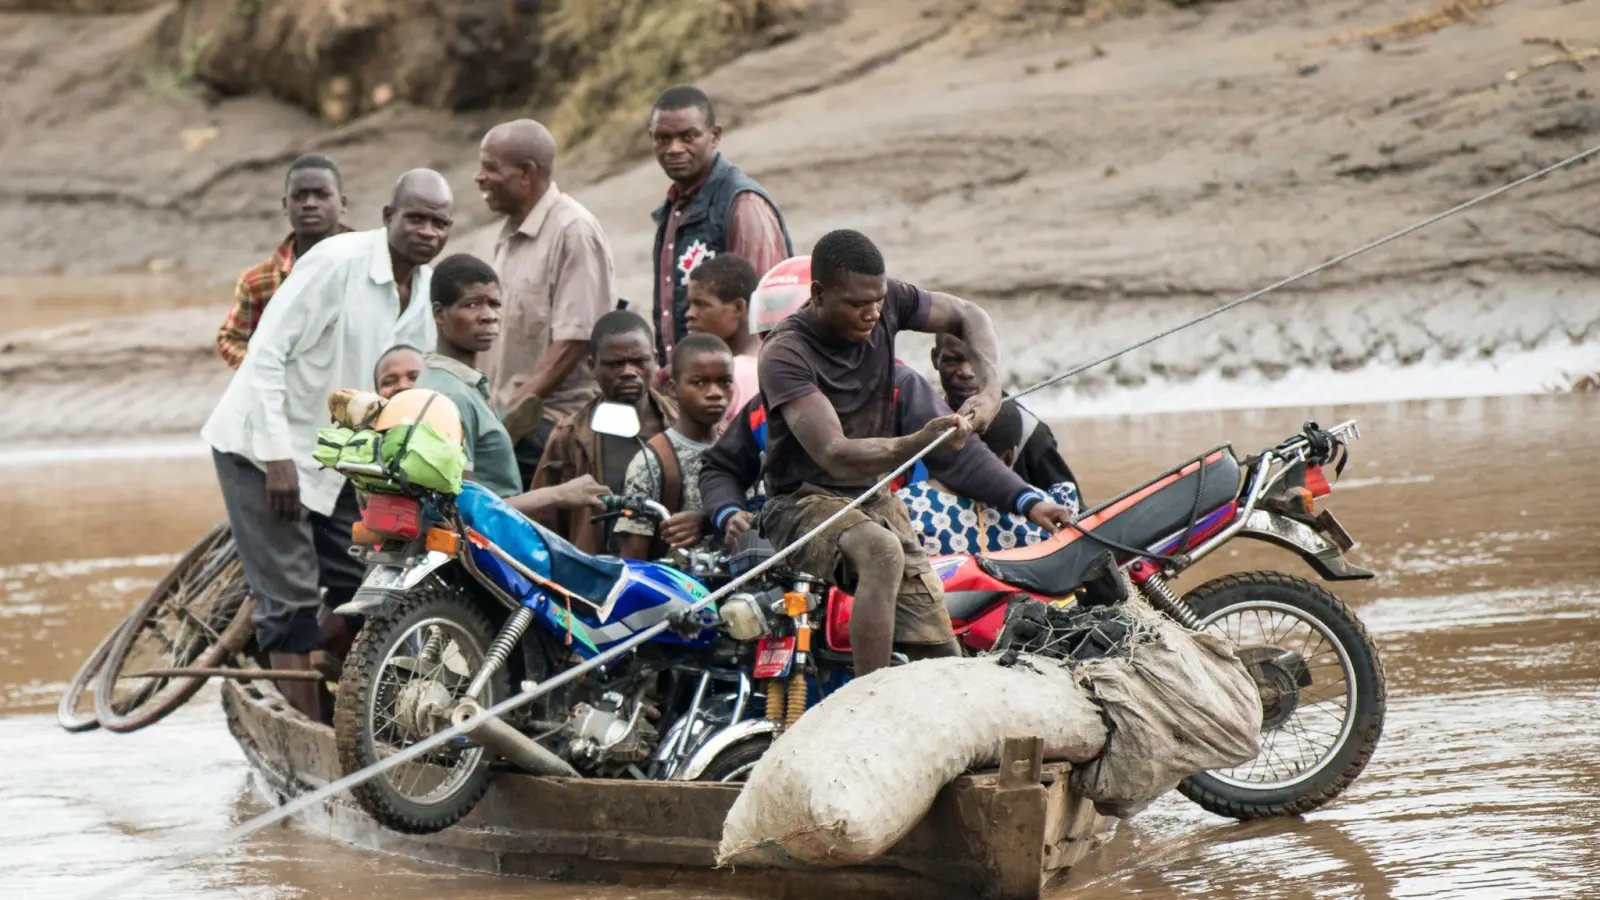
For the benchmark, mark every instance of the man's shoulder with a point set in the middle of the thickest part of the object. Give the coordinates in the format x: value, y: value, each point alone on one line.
x: 447, y: 381
x: 735, y: 179
x: 567, y: 427
x: 787, y: 348
x: 897, y: 287
x: 349, y: 243
x: 341, y: 250
x: 260, y: 277
x: 790, y: 333
x: 458, y: 372
x: 571, y: 217
x: 269, y: 269
x: 685, y: 448
x: 784, y: 349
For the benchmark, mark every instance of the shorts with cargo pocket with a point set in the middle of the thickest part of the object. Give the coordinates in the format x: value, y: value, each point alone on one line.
x: 920, y: 616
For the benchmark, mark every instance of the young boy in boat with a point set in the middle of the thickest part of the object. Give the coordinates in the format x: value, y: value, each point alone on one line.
x: 668, y: 469
x: 719, y: 304
x: 398, y: 370
x: 624, y: 364
x: 827, y: 378
x: 314, y: 203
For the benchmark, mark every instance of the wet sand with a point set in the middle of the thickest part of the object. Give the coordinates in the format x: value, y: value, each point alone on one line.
x: 29, y: 302
x: 1478, y: 515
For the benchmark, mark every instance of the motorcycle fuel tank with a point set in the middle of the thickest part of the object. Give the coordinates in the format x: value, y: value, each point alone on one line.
x: 645, y: 594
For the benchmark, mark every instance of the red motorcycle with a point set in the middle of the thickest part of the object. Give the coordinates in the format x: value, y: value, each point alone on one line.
x: 1320, y: 677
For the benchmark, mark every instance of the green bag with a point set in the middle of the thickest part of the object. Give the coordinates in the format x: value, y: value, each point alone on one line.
x: 365, y: 447
x: 424, y: 456
x: 427, y: 458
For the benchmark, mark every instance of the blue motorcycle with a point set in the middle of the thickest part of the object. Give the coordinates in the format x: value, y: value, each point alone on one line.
x: 465, y: 597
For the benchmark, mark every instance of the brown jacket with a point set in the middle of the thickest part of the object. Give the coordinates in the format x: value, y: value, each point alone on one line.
x: 574, y: 450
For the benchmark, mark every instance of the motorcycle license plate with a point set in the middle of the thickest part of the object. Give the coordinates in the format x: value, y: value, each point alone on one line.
x: 385, y: 577
x: 774, y: 656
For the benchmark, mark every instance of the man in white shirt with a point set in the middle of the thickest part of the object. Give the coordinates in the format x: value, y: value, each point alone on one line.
x: 347, y: 300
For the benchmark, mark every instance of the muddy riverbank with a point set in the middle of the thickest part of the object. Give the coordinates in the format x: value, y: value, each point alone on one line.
x: 1087, y: 184
x: 1476, y: 514
x: 157, y: 375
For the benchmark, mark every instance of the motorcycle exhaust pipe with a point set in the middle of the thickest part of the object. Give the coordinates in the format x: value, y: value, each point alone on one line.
x: 521, y: 750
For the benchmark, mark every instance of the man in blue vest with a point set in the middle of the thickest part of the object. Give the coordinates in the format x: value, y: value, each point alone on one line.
x: 711, y: 208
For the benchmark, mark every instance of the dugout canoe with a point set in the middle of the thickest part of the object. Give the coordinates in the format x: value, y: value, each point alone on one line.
x: 1001, y: 835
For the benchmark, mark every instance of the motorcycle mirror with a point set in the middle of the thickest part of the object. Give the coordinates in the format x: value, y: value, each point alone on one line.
x: 615, y: 419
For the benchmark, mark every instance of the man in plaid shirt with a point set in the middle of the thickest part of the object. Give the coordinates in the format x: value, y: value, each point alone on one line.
x: 313, y: 202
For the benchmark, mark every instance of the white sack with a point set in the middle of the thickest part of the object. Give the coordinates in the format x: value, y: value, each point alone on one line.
x: 856, y: 773
x: 1180, y: 703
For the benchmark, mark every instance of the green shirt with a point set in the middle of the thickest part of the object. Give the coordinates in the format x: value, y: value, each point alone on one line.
x: 489, y: 453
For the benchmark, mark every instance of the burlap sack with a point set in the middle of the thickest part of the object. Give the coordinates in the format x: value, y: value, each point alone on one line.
x: 859, y: 771
x: 1179, y: 703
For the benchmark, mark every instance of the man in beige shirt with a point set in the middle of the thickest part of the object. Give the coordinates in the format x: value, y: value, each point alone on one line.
x: 556, y: 274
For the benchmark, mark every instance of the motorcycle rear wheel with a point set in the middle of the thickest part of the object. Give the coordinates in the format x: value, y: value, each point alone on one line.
x: 1235, y: 793
x: 379, y: 676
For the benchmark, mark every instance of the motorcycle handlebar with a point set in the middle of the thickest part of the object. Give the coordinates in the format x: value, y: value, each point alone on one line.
x: 1320, y: 441
x: 620, y: 506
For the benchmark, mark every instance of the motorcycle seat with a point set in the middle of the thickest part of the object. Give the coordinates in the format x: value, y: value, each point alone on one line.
x: 964, y: 605
x: 546, y: 553
x: 1139, y: 518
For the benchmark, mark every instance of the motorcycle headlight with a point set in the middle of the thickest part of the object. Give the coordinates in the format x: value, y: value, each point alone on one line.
x: 743, y: 617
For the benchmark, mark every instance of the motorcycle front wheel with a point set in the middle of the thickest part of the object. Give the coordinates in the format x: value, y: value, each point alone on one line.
x: 733, y: 765
x: 408, y: 668
x: 1322, y: 712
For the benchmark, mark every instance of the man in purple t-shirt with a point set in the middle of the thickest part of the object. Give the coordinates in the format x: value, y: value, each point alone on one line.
x: 827, y: 379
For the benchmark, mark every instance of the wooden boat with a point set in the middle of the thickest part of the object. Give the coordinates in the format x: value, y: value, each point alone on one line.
x: 1003, y: 835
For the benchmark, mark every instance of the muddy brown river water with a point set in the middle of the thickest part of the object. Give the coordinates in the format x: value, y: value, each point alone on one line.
x: 1479, y: 515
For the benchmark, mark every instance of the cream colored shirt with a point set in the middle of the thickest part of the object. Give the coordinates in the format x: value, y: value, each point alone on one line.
x: 557, y: 279
x: 336, y: 313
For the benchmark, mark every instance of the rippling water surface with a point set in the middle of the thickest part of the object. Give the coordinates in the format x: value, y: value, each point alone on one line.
x: 1480, y: 517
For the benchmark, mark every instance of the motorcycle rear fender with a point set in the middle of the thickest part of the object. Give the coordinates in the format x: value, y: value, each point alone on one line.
x: 1321, y: 554
x: 713, y: 746
x: 384, y: 585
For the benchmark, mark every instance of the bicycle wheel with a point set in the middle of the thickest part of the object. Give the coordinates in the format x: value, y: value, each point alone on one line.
x: 79, y: 689
x: 196, y: 615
